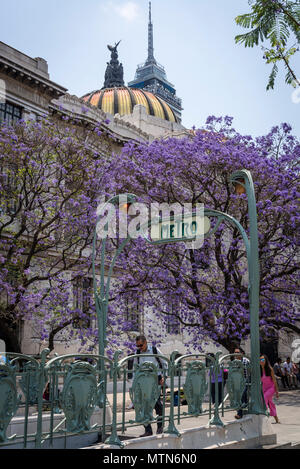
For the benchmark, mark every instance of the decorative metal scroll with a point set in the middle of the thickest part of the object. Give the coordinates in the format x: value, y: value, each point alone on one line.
x: 29, y: 383
x: 145, y: 391
x: 8, y: 398
x: 195, y: 386
x: 79, y: 396
x: 101, y: 400
x: 236, y: 383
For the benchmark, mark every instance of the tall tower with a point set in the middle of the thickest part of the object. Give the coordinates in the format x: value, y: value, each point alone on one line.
x: 152, y: 77
x: 150, y: 59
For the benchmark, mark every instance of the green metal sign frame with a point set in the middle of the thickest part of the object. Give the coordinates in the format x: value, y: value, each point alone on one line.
x: 242, y: 178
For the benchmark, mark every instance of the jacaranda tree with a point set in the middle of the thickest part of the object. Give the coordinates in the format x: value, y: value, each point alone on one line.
x: 205, y: 290
x: 50, y: 178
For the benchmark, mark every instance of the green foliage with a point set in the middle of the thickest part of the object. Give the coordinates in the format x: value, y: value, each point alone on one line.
x: 273, y: 21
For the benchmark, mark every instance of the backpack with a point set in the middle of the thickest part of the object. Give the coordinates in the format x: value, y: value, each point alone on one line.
x: 154, y: 351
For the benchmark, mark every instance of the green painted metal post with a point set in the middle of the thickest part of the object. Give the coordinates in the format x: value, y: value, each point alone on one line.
x: 244, y: 179
x: 102, y: 297
x: 41, y: 384
x: 114, y: 439
x: 171, y: 427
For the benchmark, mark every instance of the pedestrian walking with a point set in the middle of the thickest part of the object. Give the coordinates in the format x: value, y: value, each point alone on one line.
x: 144, y: 348
x: 246, y: 364
x: 269, y: 385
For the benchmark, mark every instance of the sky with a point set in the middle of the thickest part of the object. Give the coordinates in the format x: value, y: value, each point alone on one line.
x: 193, y: 40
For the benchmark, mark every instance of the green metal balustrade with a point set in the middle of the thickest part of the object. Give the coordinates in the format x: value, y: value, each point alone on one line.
x: 79, y: 385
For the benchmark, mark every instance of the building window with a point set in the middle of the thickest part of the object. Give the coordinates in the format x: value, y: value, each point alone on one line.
x: 10, y: 113
x: 82, y: 295
x: 133, y: 314
x: 9, y: 194
x: 172, y: 323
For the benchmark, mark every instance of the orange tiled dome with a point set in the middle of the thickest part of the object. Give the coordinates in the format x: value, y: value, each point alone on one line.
x: 121, y: 100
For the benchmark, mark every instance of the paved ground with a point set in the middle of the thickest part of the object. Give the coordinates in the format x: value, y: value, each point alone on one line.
x: 287, y: 431
x: 288, y: 410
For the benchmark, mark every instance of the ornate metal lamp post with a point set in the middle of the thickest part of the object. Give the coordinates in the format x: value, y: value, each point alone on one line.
x: 244, y: 184
x: 242, y: 180
x: 102, y: 295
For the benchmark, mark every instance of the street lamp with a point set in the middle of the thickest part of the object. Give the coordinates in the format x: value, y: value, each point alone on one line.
x: 242, y: 180
x: 243, y: 183
x: 123, y: 201
x: 239, y: 185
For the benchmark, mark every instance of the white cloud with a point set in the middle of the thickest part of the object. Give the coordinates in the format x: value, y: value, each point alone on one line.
x: 128, y: 10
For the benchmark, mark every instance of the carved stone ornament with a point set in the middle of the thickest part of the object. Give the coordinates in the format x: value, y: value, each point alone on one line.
x: 144, y: 392
x: 236, y: 383
x: 195, y: 386
x: 8, y: 398
x: 79, y: 396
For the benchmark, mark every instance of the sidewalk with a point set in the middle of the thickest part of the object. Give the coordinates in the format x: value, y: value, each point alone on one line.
x: 288, y: 409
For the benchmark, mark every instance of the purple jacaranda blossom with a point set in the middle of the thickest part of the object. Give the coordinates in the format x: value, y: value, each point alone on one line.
x: 49, y: 184
x: 205, y: 292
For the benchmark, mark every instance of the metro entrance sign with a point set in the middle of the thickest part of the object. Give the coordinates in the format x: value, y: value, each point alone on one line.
x: 186, y: 228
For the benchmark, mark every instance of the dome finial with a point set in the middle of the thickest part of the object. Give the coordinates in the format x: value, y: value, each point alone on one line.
x: 114, y: 75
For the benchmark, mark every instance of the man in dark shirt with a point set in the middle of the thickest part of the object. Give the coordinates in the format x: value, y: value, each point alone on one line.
x: 143, y: 348
x: 246, y: 364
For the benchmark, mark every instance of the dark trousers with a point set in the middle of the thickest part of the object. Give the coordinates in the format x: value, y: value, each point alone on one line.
x: 284, y: 381
x: 159, y: 411
x: 244, y: 401
x: 220, y: 391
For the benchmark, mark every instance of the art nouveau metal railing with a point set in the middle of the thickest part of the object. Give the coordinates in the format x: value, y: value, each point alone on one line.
x: 49, y: 400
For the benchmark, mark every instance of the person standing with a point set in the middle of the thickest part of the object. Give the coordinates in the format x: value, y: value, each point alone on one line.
x: 269, y: 385
x: 288, y: 370
x: 246, y: 364
x: 144, y: 348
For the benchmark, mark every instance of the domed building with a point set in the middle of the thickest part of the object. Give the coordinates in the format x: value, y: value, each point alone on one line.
x: 149, y: 102
x: 122, y: 100
x: 143, y: 110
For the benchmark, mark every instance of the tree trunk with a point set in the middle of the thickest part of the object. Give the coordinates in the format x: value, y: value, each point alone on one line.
x: 229, y: 344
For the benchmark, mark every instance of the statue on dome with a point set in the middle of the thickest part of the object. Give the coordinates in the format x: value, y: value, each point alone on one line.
x: 113, y: 50
x: 114, y: 70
